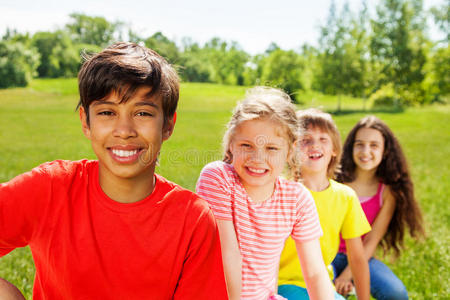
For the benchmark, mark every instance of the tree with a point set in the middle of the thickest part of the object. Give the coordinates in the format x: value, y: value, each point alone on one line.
x: 194, y: 62
x: 441, y: 15
x: 59, y: 56
x: 98, y: 31
x: 398, y: 47
x: 165, y: 47
x: 17, y: 64
x: 283, y: 69
x: 226, y: 61
x: 343, y: 58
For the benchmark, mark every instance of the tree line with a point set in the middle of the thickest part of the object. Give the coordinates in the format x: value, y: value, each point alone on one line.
x: 388, y: 57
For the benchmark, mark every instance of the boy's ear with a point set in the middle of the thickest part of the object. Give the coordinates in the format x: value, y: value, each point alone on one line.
x: 168, y: 127
x: 84, y: 123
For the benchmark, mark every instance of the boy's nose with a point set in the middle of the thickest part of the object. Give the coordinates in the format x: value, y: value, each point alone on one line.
x: 124, y: 128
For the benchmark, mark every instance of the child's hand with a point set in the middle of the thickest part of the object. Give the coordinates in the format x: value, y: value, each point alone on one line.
x: 344, y: 284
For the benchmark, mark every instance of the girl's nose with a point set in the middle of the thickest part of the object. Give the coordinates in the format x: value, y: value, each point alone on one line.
x: 258, y: 155
x: 124, y: 128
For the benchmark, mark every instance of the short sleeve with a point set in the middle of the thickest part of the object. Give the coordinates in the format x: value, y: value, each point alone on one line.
x: 307, y: 225
x: 202, y: 276
x: 214, y: 187
x: 21, y: 207
x: 355, y: 223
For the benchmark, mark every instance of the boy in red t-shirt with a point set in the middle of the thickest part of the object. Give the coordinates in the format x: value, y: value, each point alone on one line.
x: 112, y: 228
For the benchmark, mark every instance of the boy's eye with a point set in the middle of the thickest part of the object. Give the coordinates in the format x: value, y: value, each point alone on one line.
x: 144, y: 114
x: 105, y: 113
x: 244, y: 145
x: 272, y: 148
x: 304, y: 142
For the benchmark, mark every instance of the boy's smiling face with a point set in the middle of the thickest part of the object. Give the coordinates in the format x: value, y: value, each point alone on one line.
x: 126, y: 137
x: 316, y: 148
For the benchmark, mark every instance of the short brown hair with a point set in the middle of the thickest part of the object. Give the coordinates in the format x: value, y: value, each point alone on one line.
x: 315, y: 118
x: 123, y: 68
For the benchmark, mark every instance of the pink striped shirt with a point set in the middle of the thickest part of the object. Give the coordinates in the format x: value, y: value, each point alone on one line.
x: 261, y: 228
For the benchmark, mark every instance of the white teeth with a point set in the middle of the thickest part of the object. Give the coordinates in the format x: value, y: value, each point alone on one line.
x: 315, y: 155
x: 124, y: 153
x: 258, y: 171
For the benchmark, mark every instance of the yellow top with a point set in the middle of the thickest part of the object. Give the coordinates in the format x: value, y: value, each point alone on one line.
x: 339, y: 213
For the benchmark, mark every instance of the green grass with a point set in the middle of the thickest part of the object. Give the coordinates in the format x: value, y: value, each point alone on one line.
x: 39, y: 124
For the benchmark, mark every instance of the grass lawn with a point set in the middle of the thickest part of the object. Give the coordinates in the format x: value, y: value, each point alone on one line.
x: 39, y: 124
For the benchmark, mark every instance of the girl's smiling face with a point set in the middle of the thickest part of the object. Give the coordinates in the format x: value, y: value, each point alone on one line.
x: 260, y: 151
x: 368, y: 149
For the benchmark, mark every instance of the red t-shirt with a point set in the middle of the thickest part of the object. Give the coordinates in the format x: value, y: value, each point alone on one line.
x: 87, y: 246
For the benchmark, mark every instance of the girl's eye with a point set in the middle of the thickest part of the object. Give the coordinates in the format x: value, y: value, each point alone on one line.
x: 272, y: 148
x: 374, y: 145
x: 245, y: 145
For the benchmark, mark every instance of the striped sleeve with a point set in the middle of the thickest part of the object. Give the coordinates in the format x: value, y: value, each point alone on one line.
x: 307, y: 225
x: 213, y: 187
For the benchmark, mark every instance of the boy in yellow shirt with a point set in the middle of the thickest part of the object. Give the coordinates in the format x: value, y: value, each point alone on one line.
x: 337, y: 205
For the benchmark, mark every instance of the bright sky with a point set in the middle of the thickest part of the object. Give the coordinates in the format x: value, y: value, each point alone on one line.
x: 254, y: 24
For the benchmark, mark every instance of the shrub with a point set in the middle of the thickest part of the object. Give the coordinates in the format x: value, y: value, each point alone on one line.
x: 18, y: 64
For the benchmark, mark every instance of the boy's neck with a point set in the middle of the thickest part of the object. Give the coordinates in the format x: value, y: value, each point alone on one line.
x: 125, y: 190
x: 316, y: 182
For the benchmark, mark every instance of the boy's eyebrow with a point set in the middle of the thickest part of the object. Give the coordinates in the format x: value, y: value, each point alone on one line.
x: 100, y: 102
x: 149, y: 103
x: 141, y: 103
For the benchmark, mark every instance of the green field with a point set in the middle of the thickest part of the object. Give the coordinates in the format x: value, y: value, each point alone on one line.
x: 39, y: 124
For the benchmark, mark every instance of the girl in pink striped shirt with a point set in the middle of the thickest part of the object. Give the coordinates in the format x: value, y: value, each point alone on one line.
x: 256, y: 209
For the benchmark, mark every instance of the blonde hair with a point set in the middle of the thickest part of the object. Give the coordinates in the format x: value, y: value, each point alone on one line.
x: 263, y: 103
x: 315, y: 118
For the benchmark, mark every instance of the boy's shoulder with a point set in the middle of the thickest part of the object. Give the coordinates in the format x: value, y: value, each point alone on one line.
x: 342, y: 189
x: 58, y: 170
x: 178, y: 195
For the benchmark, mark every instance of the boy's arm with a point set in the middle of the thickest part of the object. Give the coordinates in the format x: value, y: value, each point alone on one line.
x: 202, y: 276
x: 9, y: 292
x: 359, y: 269
x: 314, y: 272
x: 232, y: 260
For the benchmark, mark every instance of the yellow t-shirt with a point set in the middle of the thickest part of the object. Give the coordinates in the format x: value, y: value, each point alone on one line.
x: 339, y: 213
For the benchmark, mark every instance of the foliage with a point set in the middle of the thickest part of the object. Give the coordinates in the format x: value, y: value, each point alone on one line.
x: 398, y: 43
x: 283, y: 69
x: 343, y: 59
x: 165, y: 47
x: 86, y: 29
x: 18, y: 64
x: 226, y: 61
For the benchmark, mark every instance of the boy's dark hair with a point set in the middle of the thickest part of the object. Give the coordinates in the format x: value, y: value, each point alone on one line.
x: 393, y: 172
x: 123, y: 68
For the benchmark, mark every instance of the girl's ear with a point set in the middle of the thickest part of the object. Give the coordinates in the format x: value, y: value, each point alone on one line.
x: 84, y: 123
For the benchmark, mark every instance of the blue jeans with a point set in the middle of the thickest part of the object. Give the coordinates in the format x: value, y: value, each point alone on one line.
x: 383, y: 282
x: 293, y: 292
